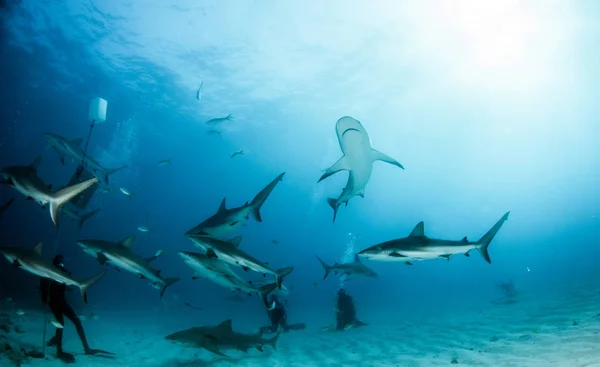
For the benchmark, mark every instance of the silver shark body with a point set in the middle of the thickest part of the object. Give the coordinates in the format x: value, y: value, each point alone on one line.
x: 418, y: 247
x: 220, y: 273
x: 358, y: 157
x: 348, y: 271
x: 26, y: 180
x: 229, y: 252
x: 71, y: 148
x: 226, y: 221
x: 119, y: 255
x: 222, y: 336
x: 32, y: 261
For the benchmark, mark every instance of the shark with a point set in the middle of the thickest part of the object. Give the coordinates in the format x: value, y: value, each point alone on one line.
x: 220, y: 273
x: 229, y: 252
x: 226, y: 221
x: 5, y: 206
x: 358, y: 157
x: 71, y: 148
x: 119, y: 255
x: 221, y: 336
x: 417, y: 246
x: 219, y: 120
x: 355, y: 269
x: 70, y: 211
x: 32, y: 261
x: 26, y: 180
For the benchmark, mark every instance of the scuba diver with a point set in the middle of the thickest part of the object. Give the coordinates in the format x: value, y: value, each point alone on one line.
x: 278, y: 316
x: 53, y: 294
x: 346, y: 312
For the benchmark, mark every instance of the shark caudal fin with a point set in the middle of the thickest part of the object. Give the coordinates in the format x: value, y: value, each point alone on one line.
x: 109, y: 171
x: 87, y: 216
x: 83, y: 286
x: 273, y: 341
x: 63, y: 196
x: 262, y: 196
x: 325, y: 266
x: 487, y: 238
x: 282, y: 273
x: 168, y: 282
x: 264, y: 290
x: 333, y: 204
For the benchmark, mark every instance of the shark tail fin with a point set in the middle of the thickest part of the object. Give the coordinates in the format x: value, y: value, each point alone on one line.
x: 168, y: 282
x: 87, y: 216
x: 88, y: 283
x: 325, y: 266
x: 63, y: 196
x: 273, y: 341
x: 262, y: 196
x: 282, y: 273
x: 333, y: 204
x: 487, y: 238
x: 264, y: 290
x: 109, y: 171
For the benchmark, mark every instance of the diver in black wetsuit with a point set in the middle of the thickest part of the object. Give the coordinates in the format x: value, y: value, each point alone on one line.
x: 345, y: 311
x: 278, y: 316
x: 53, y: 294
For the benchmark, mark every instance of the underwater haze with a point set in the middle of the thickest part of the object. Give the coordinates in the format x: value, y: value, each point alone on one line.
x: 482, y: 107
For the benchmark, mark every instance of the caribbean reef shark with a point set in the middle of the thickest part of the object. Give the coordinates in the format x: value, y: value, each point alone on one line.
x: 222, y: 336
x: 355, y: 269
x: 119, y: 255
x: 26, y: 180
x: 358, y: 157
x: 226, y: 220
x: 417, y: 246
x: 31, y: 260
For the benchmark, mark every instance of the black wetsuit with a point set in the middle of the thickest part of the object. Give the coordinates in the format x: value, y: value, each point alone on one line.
x: 278, y: 316
x: 53, y: 294
x: 346, y: 313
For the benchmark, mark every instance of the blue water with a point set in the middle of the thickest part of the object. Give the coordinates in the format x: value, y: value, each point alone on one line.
x: 489, y: 110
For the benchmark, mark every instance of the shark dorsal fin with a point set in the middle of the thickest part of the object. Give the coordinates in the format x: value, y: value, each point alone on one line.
x: 356, y: 258
x: 38, y: 248
x: 418, y: 231
x: 128, y: 242
x: 35, y: 164
x: 464, y: 240
x: 236, y: 241
x: 76, y: 142
x: 223, y: 205
x: 225, y: 326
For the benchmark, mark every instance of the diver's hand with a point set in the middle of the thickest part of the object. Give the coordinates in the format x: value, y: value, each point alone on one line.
x: 93, y: 352
x: 66, y: 357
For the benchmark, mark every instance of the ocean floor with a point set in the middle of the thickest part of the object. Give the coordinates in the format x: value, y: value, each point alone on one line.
x: 560, y: 331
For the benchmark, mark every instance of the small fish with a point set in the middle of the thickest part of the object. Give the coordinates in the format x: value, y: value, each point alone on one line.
x: 219, y: 120
x: 214, y: 132
x: 143, y: 229
x: 104, y: 190
x: 126, y: 192
x: 164, y: 162
x: 56, y: 324
x: 234, y: 154
x: 199, y: 91
x: 20, y: 313
x: 275, y: 242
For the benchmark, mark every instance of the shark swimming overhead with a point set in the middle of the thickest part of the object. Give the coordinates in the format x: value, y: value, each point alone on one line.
x: 229, y: 252
x: 226, y: 220
x: 355, y: 269
x: 418, y: 247
x: 31, y: 260
x: 358, y: 157
x: 222, y: 336
x: 119, y: 255
x: 25, y: 179
x: 71, y: 148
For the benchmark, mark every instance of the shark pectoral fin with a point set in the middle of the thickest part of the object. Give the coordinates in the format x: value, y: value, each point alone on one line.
x: 29, y: 198
x: 141, y: 276
x: 447, y: 257
x: 117, y: 269
x: 101, y: 259
x: 16, y: 263
x: 343, y: 164
x: 210, y: 253
x: 408, y: 263
x: 395, y: 254
x: 194, y: 277
x: 245, y: 268
x: 378, y: 156
x: 467, y: 254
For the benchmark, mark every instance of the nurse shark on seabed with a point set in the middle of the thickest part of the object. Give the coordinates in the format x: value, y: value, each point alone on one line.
x: 358, y: 157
